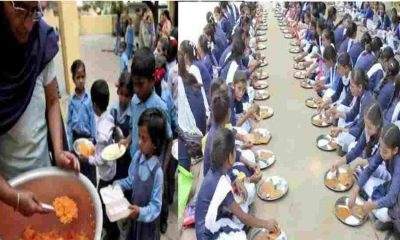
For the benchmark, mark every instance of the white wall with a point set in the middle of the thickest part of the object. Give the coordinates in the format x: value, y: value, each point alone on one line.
x: 192, y: 19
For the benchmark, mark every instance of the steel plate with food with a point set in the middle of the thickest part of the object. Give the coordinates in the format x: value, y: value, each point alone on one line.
x: 262, y: 39
x: 261, y: 75
x: 78, y: 212
x: 306, y: 83
x: 261, y: 84
x: 293, y: 43
x: 312, y: 102
x: 299, y: 66
x: 340, y: 180
x: 260, y: 136
x: 300, y: 74
x: 263, y: 234
x: 84, y: 147
x: 288, y: 36
x: 262, y: 27
x: 272, y: 188
x: 352, y: 217
x: 261, y: 95
x: 297, y: 59
x: 261, y: 33
x: 295, y: 50
x: 113, y: 152
x: 325, y: 142
x: 320, y: 120
x: 285, y: 30
x: 261, y: 47
x: 263, y: 63
x: 265, y: 158
x: 266, y: 112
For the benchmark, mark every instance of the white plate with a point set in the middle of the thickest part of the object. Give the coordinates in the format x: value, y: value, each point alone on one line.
x: 113, y: 152
x: 79, y: 141
x: 255, y: 231
x: 265, y: 163
x: 277, y: 181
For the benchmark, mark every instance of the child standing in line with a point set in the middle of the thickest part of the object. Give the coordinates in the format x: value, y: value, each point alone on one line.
x: 146, y: 176
x: 121, y: 113
x: 81, y: 121
x: 124, y: 58
x: 142, y: 77
x: 104, y: 137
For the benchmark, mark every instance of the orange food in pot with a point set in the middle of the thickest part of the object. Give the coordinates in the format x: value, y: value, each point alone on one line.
x: 66, y: 209
x: 31, y: 234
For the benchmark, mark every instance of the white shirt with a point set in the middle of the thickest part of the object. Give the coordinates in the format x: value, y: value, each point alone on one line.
x: 24, y: 147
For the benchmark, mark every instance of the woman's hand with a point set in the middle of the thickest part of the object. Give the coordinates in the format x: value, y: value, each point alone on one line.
x: 67, y: 160
x: 28, y: 204
x: 337, y: 164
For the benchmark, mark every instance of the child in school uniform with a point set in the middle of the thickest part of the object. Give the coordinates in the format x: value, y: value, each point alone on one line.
x: 367, y: 145
x: 104, y: 136
x: 342, y: 95
x: 124, y: 58
x: 207, y: 57
x: 393, y: 36
x: 376, y: 72
x: 236, y: 93
x: 215, y: 197
x: 327, y: 85
x: 349, y: 125
x: 146, y: 176
x: 392, y: 113
x: 216, y: 36
x: 121, y: 113
x: 383, y: 195
x: 142, y: 77
x: 81, y: 122
x: 367, y: 57
x: 384, y: 91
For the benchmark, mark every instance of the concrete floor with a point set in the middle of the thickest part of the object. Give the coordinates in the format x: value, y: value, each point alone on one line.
x: 307, y: 211
x: 102, y: 64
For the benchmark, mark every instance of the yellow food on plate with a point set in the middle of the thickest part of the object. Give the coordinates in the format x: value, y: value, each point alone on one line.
x: 86, y: 149
x: 66, y: 209
x: 265, y: 154
x: 343, y: 212
x: 267, y: 189
x: 268, y: 236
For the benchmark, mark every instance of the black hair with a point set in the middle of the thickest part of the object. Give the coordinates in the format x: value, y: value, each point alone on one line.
x: 239, y: 77
x: 210, y: 18
x: 321, y: 25
x: 346, y: 17
x: 345, y: 60
x: 143, y: 64
x: 331, y: 12
x: 366, y: 41
x: 217, y: 85
x: 75, y: 66
x: 329, y: 34
x: 351, y: 30
x: 125, y: 81
x: 223, y: 144
x: 373, y: 113
x: 100, y: 94
x: 209, y: 30
x: 166, y: 14
x: 218, y: 10
x: 386, y: 54
x: 395, y: 19
x: 393, y: 68
x: 122, y: 45
x: 238, y: 47
x: 359, y: 77
x: 396, y: 87
x: 223, y: 5
x: 204, y: 44
x: 391, y: 136
x: 155, y: 121
x: 330, y: 54
x: 187, y: 77
x: 322, y: 7
x: 188, y: 49
x: 376, y: 44
x: 220, y: 106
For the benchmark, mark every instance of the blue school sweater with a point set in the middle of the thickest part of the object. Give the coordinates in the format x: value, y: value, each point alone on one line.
x: 384, y: 94
x: 384, y: 22
x: 205, y: 75
x: 393, y: 166
x: 375, y: 78
x: 358, y: 109
x: 365, y: 61
x: 355, y: 51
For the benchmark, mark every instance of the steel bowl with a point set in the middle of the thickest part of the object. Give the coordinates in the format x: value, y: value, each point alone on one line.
x: 343, y: 202
x: 47, y: 184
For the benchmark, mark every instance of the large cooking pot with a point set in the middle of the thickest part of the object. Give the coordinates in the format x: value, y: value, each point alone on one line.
x: 47, y: 184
